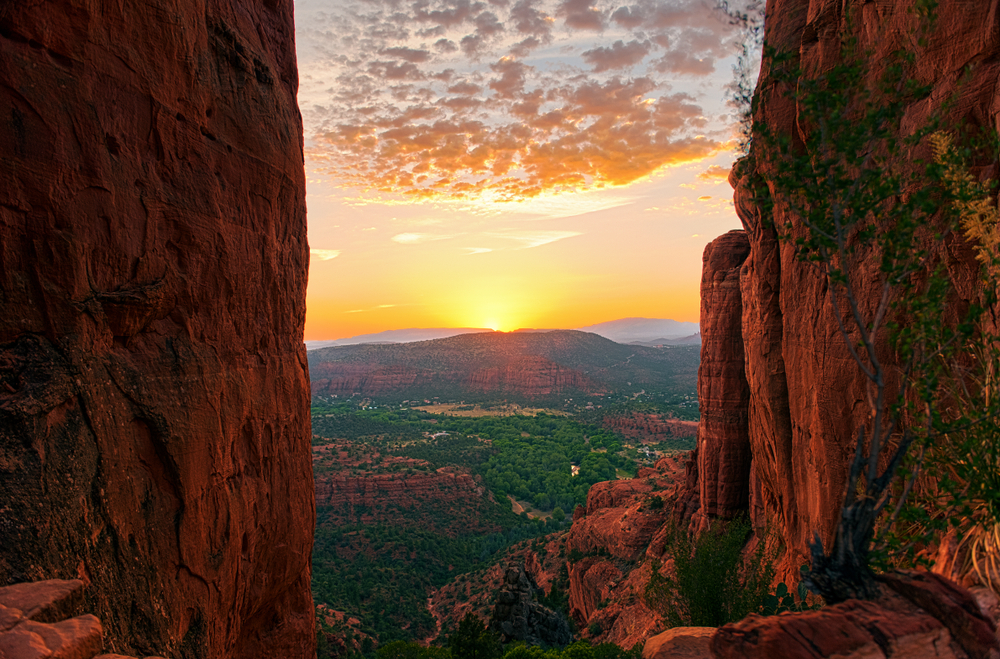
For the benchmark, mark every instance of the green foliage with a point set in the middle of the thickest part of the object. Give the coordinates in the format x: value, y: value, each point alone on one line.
x: 578, y: 650
x: 473, y: 641
x: 405, y: 650
x: 711, y: 583
x: 782, y: 600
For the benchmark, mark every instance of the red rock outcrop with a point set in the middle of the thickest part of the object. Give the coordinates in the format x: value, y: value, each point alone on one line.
x: 650, y: 427
x: 614, y: 543
x: 920, y: 616
x: 723, y: 393
x: 405, y: 489
x: 154, y: 419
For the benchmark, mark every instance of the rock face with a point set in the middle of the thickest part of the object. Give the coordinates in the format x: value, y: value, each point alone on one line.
x: 614, y: 543
x: 723, y: 393
x: 803, y: 398
x: 680, y: 643
x: 154, y: 420
x: 517, y: 617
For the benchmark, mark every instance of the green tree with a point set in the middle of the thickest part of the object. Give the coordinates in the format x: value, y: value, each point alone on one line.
x: 473, y: 641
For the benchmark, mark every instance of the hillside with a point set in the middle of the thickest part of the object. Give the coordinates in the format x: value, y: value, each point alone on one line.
x: 526, y: 365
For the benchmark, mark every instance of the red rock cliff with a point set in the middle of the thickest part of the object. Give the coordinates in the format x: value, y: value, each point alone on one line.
x: 723, y: 394
x: 154, y: 420
x: 806, y: 396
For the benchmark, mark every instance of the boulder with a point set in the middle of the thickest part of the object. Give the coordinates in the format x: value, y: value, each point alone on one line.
x: 680, y: 643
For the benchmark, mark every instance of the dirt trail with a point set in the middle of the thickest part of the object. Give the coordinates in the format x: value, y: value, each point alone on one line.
x: 437, y: 621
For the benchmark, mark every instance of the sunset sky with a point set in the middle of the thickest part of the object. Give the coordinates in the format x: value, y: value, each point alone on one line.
x: 511, y: 163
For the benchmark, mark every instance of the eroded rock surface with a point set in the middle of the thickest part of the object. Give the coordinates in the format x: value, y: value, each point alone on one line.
x: 920, y: 616
x: 518, y: 617
x: 723, y: 393
x: 154, y: 428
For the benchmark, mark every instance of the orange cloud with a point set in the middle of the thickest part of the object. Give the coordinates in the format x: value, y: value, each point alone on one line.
x: 432, y: 99
x: 715, y: 173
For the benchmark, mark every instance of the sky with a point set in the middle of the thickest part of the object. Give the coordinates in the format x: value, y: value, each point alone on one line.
x: 511, y: 163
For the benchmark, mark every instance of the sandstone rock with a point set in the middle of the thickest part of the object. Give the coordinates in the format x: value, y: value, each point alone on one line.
x: 919, y: 616
x: 723, y: 394
x: 650, y: 427
x: 806, y: 396
x: 154, y: 420
x: 33, y: 622
x: 76, y: 638
x: 518, y: 617
x: 590, y: 583
x: 680, y: 643
x: 41, y: 601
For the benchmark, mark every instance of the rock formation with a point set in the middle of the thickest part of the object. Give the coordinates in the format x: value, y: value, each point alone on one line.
x: 780, y: 395
x: 518, y: 617
x: 154, y: 420
x: 650, y: 428
x: 919, y: 616
x: 723, y: 394
x: 440, y: 486
x: 612, y: 547
x: 37, y: 621
x: 803, y: 397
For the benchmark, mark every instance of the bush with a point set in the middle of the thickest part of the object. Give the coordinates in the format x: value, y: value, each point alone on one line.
x: 712, y: 584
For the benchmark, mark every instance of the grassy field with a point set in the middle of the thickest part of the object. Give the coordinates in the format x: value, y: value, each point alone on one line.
x: 473, y: 411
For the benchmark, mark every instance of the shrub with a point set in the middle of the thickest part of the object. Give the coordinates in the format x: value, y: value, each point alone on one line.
x: 712, y: 584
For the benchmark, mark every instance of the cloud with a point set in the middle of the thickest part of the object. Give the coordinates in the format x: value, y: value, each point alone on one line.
x: 581, y: 15
x: 409, y: 54
x: 531, y: 239
x: 414, y: 238
x: 468, y: 99
x: 619, y: 56
x: 478, y: 250
x: 325, y: 254
x: 715, y: 173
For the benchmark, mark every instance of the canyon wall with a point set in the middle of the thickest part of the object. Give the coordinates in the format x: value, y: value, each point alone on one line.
x: 154, y: 419
x: 806, y: 395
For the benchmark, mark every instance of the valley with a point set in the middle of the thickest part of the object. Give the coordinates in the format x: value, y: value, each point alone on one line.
x: 421, y: 504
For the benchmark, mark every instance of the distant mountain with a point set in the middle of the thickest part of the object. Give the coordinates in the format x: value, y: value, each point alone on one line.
x: 693, y: 340
x: 399, y: 336
x: 526, y: 365
x: 643, y: 330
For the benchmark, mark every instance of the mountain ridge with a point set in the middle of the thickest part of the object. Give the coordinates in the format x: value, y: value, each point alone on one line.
x: 520, y: 364
x: 653, y: 331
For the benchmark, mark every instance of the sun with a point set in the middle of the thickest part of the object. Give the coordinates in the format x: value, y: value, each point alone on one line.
x: 493, y: 324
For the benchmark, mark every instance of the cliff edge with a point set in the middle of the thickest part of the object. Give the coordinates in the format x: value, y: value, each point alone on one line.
x: 154, y: 419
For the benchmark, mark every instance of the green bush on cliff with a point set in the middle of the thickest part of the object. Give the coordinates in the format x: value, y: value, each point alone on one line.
x: 711, y: 583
